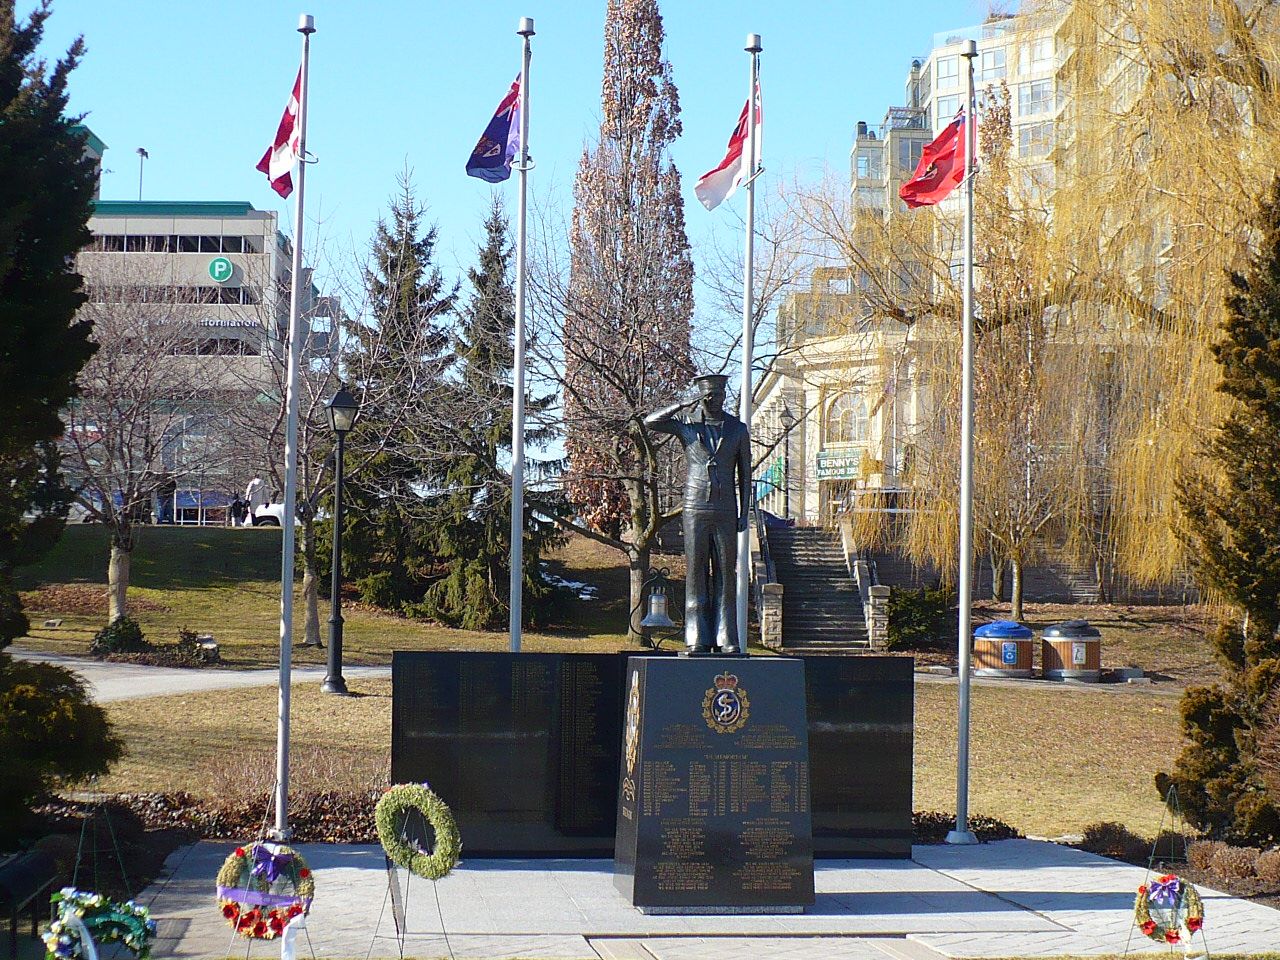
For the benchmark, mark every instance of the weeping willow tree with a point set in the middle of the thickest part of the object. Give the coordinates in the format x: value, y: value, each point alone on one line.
x: 1166, y: 141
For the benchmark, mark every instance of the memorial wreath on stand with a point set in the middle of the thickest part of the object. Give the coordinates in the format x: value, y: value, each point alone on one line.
x: 264, y: 888
x: 390, y: 816
x: 1167, y: 905
x: 83, y: 921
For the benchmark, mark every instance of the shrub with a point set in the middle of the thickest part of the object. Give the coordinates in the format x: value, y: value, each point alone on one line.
x: 1171, y: 845
x: 62, y: 848
x: 929, y: 826
x: 1235, y: 863
x: 1201, y: 853
x: 1115, y: 840
x: 921, y: 619
x: 378, y: 590
x: 121, y: 635
x: 189, y: 651
x: 51, y: 733
x: 1268, y: 867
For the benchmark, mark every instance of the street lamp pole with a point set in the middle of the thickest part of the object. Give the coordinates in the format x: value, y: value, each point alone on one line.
x: 342, y: 410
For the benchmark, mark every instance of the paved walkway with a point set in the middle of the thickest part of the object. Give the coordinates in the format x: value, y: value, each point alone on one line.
x: 132, y: 681
x: 1016, y: 898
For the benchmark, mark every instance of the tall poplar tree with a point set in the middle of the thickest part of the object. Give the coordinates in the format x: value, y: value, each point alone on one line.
x: 1233, y: 531
x: 629, y: 301
x: 46, y: 188
x: 473, y: 537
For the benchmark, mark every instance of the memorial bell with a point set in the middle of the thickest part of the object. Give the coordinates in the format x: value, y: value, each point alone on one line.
x: 657, y: 615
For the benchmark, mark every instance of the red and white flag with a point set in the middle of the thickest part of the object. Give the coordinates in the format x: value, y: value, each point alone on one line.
x: 716, y: 186
x: 277, y: 163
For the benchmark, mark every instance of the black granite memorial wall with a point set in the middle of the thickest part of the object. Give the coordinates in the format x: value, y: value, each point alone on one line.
x: 526, y: 748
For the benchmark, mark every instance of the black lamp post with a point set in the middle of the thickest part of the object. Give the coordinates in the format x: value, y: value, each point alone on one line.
x: 342, y: 409
x: 788, y: 420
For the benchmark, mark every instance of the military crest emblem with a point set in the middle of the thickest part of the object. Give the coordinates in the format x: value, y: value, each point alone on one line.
x: 725, y: 707
x: 631, y: 745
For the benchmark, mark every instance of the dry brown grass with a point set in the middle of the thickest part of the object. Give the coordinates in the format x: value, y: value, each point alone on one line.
x: 1049, y: 762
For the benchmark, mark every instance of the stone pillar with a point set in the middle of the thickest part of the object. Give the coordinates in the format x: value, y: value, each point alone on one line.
x: 879, y: 618
x: 771, y: 616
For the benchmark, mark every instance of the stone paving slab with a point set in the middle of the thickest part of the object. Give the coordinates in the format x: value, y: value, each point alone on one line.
x: 1016, y: 898
x: 1089, y: 897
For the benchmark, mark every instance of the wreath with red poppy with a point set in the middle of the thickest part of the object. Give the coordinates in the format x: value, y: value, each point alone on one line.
x: 264, y: 887
x: 1188, y: 909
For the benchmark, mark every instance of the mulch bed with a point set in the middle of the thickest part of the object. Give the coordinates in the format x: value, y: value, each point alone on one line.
x: 81, y: 600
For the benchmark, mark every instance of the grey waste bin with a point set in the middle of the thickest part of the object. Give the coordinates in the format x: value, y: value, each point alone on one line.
x: 1072, y: 650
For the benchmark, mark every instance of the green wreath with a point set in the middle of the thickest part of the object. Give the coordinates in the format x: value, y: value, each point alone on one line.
x: 389, y: 816
x: 80, y: 916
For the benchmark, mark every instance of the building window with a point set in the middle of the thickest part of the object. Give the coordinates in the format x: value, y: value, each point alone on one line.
x: 1036, y: 97
x: 948, y: 107
x: 847, y: 420
x: 1043, y: 53
x: 864, y: 166
x: 1035, y: 139
x: 948, y: 71
x: 993, y: 65
x: 909, y: 154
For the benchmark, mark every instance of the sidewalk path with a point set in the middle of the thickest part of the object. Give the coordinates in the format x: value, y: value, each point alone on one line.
x: 1014, y: 898
x: 132, y: 681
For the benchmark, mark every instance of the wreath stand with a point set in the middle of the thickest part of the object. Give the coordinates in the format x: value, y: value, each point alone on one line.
x: 286, y: 940
x: 399, y: 888
x: 1177, y: 825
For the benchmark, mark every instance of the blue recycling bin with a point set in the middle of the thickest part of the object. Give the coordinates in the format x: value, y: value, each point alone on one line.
x: 1003, y: 649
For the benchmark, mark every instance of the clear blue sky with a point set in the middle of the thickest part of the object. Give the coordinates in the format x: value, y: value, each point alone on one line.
x: 202, y: 86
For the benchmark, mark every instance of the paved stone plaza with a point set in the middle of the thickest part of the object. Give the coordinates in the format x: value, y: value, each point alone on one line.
x: 1013, y: 898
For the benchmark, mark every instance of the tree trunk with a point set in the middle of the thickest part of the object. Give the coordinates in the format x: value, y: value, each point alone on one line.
x: 1015, y: 592
x: 638, y: 557
x: 118, y: 577
x: 997, y: 577
x: 310, y: 584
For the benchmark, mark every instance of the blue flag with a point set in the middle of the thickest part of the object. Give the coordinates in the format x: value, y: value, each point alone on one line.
x: 493, y: 156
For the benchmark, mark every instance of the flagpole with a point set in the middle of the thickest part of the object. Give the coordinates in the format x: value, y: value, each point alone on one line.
x: 962, y: 834
x: 526, y: 31
x: 306, y: 27
x: 753, y: 47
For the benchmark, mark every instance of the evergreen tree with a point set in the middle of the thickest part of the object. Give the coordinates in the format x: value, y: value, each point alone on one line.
x: 474, y: 528
x: 46, y: 188
x: 1233, y: 533
x: 405, y: 347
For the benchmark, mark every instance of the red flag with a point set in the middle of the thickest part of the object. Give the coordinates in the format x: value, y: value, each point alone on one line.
x: 941, y: 167
x: 280, y: 157
x: 716, y: 186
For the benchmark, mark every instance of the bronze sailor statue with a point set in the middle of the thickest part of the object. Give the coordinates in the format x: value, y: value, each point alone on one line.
x: 717, y: 506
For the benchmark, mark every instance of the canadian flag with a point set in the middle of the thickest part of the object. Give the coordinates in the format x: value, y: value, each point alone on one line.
x: 277, y: 163
x: 716, y: 186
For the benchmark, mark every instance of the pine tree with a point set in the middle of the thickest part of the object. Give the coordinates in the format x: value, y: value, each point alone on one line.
x: 629, y: 303
x: 405, y: 349
x: 474, y: 533
x: 1233, y: 533
x: 46, y: 189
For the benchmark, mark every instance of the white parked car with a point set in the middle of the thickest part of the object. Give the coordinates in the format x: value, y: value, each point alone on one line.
x: 269, y: 515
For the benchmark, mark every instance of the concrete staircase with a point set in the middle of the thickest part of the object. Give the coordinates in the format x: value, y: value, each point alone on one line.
x: 821, y: 608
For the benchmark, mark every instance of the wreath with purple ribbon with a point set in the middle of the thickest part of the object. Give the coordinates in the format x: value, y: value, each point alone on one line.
x: 264, y: 887
x: 1177, y: 904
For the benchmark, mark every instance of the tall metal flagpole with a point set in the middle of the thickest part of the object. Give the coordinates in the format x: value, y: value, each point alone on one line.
x: 306, y: 27
x: 962, y: 833
x: 753, y: 47
x: 526, y: 31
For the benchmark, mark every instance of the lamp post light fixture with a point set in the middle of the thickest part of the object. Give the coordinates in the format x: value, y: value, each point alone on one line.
x: 342, y: 409
x: 788, y: 421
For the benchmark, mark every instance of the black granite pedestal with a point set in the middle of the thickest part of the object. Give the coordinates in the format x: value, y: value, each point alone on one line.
x: 713, y: 801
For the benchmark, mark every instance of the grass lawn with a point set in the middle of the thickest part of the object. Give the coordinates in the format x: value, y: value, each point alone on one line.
x: 1049, y: 763
x: 227, y: 582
